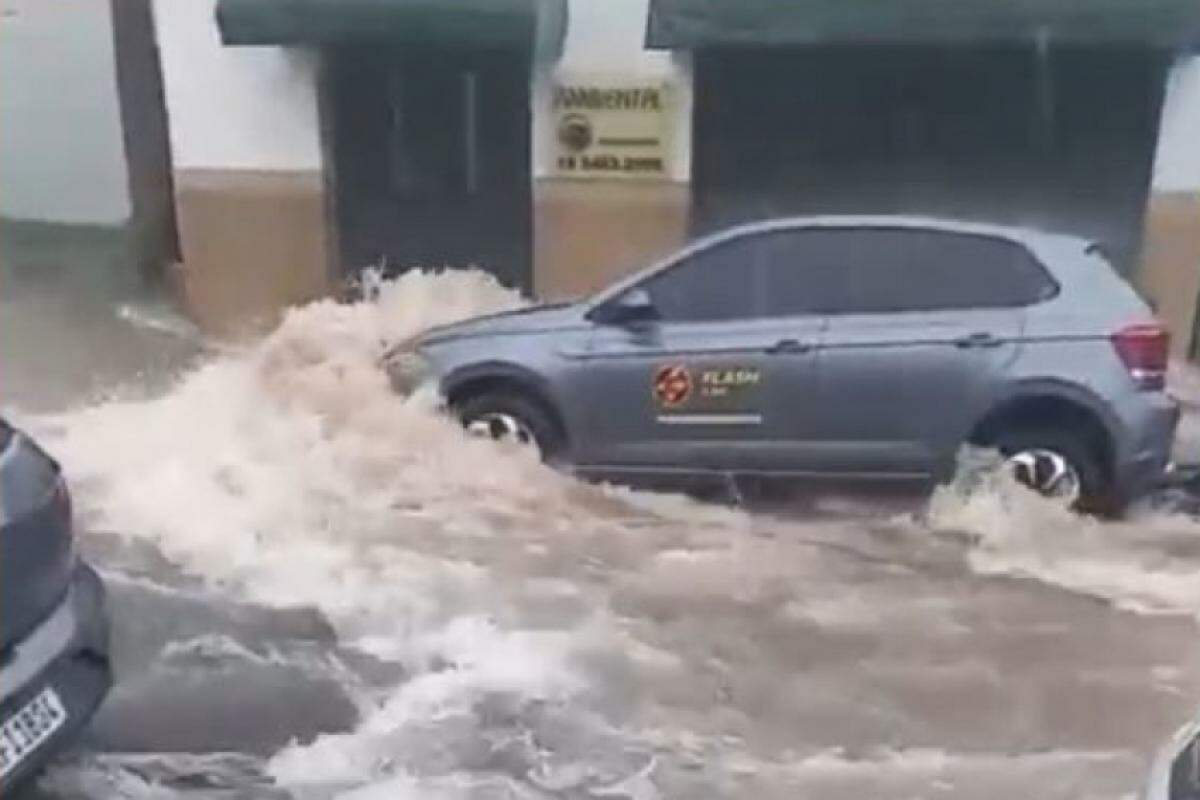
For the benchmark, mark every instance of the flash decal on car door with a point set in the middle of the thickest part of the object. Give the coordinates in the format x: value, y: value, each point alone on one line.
x: 728, y: 382
x: 672, y: 386
x: 722, y: 394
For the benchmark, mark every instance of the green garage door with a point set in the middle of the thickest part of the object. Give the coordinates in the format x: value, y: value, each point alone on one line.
x: 692, y: 24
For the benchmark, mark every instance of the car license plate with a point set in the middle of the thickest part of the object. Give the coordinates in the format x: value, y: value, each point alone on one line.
x: 24, y: 731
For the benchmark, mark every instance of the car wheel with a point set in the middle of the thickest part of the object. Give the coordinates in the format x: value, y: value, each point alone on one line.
x: 514, y: 417
x: 1057, y: 464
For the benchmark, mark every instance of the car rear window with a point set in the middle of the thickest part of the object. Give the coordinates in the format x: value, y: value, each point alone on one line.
x: 890, y: 270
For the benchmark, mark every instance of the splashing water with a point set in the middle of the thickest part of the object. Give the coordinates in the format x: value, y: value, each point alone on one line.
x: 1130, y: 563
x: 564, y: 640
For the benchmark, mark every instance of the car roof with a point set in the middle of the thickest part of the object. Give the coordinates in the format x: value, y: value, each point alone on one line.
x: 1032, y: 237
x: 1042, y: 243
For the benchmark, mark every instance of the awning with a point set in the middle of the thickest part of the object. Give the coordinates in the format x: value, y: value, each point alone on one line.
x: 690, y: 24
x: 527, y: 24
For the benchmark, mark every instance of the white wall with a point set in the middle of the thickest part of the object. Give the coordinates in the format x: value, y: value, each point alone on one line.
x: 607, y: 36
x: 250, y: 108
x: 1177, y: 165
x: 255, y: 107
x: 61, y: 155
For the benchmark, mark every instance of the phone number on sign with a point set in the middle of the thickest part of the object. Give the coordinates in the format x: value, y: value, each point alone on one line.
x: 611, y: 164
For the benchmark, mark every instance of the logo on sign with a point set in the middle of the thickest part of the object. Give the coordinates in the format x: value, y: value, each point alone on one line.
x: 575, y: 132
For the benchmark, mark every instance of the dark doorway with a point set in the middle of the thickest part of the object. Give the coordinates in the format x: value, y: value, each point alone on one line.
x: 1056, y: 137
x: 431, y: 160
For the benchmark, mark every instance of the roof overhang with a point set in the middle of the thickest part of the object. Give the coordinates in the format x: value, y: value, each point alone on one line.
x: 694, y: 24
x: 534, y: 25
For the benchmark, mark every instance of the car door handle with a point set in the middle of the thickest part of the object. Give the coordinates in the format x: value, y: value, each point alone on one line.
x: 784, y: 346
x: 977, y: 339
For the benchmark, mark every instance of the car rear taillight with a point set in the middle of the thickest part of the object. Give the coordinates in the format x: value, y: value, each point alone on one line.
x: 1143, y: 349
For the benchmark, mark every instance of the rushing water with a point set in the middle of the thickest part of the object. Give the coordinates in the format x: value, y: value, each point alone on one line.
x: 323, y: 589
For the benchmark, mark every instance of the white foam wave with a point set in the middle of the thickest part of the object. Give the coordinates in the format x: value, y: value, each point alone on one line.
x: 1128, y: 563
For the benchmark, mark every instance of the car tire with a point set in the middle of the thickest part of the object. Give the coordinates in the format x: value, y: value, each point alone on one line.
x: 1095, y: 493
x: 507, y: 411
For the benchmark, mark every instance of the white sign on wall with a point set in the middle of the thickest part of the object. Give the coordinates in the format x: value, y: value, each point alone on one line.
x: 609, y: 126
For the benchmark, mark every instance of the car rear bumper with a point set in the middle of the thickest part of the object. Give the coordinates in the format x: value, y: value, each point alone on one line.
x: 1143, y: 465
x: 67, y: 652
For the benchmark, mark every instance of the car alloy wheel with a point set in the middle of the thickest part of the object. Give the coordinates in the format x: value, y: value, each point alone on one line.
x: 501, y: 427
x: 1048, y: 473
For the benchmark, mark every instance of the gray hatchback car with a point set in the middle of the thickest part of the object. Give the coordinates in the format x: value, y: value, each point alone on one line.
x: 831, y: 347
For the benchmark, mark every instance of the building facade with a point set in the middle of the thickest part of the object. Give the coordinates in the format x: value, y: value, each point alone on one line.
x: 85, y: 189
x: 561, y: 143
x: 57, y: 81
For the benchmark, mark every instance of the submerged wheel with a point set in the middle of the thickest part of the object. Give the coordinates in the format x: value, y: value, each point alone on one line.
x: 506, y: 415
x: 1047, y: 472
x: 1058, y: 464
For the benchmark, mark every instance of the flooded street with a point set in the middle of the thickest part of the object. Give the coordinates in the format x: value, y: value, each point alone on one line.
x: 321, y: 589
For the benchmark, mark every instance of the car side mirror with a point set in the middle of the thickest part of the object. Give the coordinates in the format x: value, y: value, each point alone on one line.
x: 633, y: 305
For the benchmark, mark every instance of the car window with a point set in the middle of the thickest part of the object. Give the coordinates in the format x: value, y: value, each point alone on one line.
x: 718, y: 283
x: 804, y: 270
x: 958, y: 270
x: 881, y: 270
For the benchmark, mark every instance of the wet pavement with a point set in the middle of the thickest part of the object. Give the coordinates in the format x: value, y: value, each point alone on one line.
x: 322, y: 590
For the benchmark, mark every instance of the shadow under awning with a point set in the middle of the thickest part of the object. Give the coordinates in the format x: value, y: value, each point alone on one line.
x: 533, y: 25
x: 692, y: 24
